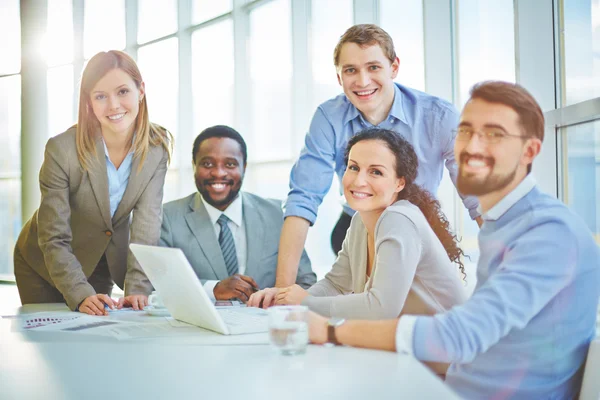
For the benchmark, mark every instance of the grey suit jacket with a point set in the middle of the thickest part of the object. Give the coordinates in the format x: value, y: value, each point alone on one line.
x: 66, y: 237
x: 186, y: 225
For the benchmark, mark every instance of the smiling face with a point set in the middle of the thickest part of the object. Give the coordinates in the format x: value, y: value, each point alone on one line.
x: 370, y: 182
x: 491, y: 170
x: 367, y: 77
x: 115, y: 101
x: 219, y: 171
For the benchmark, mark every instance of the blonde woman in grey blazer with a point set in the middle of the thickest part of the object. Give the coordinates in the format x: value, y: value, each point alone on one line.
x: 398, y: 253
x: 102, y: 188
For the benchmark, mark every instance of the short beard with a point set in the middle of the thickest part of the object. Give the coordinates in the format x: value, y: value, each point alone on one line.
x: 233, y: 193
x: 470, y: 187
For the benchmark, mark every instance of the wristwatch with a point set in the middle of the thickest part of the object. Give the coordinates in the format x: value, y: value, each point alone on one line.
x: 333, y: 323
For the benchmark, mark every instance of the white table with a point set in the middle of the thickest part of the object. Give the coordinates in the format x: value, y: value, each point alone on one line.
x: 35, y: 365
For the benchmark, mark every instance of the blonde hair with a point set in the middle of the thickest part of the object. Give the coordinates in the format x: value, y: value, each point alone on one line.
x: 88, y: 125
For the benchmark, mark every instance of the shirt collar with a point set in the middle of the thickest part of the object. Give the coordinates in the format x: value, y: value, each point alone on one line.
x: 397, y: 110
x: 509, y: 200
x: 233, y: 212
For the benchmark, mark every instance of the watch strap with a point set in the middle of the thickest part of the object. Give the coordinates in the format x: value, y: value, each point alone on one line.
x: 331, y: 338
x: 331, y: 325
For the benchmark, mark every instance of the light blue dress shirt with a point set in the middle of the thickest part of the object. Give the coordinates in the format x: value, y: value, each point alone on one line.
x: 427, y: 122
x: 117, y: 178
x: 525, y: 332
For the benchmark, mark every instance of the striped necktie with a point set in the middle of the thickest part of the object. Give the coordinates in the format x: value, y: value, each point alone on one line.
x: 227, y: 246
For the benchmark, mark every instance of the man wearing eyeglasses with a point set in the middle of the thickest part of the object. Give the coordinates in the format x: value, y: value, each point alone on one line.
x: 525, y: 332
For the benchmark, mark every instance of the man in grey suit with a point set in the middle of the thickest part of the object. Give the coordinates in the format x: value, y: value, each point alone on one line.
x: 230, y: 238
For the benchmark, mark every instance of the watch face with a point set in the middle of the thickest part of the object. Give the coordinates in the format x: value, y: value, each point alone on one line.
x: 336, y: 321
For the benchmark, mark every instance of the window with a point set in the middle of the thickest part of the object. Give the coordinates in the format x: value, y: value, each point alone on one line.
x: 403, y: 20
x: 204, y: 10
x: 10, y: 221
x: 104, y: 26
x: 486, y: 43
x: 212, y: 76
x: 61, y: 96
x: 329, y: 20
x: 59, y: 33
x: 162, y: 82
x: 10, y: 133
x: 10, y: 28
x: 581, y: 41
x: 10, y: 122
x: 485, y: 50
x: 162, y: 91
x: 60, y: 79
x: 581, y: 180
x: 270, y: 60
x: 156, y: 18
x: 580, y: 142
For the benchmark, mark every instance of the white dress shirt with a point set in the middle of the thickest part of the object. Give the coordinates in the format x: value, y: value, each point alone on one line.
x: 238, y: 231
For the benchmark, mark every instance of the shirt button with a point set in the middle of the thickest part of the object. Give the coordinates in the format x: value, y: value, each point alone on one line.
x: 108, y: 233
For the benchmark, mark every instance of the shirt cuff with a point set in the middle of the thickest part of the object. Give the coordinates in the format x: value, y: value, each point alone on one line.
x: 209, y: 287
x: 299, y: 211
x: 474, y: 213
x: 404, y: 334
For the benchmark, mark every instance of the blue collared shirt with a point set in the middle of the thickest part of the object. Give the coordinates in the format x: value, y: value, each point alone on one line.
x: 427, y: 122
x: 117, y: 178
x: 525, y: 332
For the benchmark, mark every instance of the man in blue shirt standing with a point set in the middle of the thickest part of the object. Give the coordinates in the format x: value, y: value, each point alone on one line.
x: 525, y: 332
x: 366, y: 65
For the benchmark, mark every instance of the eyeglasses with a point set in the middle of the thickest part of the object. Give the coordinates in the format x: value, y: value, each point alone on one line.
x: 488, y: 136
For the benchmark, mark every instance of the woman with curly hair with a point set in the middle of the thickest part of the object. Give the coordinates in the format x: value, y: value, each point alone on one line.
x: 399, y: 256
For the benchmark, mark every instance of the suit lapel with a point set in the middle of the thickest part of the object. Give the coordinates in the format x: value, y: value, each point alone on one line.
x: 99, y: 182
x: 201, y: 226
x: 254, y: 235
x: 137, y: 180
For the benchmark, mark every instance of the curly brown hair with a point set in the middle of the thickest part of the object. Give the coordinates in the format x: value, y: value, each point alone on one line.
x: 407, y: 164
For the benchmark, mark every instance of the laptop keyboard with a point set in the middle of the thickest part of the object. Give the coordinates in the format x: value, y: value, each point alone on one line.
x: 245, y: 320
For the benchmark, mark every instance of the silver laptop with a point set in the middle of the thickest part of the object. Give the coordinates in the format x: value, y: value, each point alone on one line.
x: 182, y: 293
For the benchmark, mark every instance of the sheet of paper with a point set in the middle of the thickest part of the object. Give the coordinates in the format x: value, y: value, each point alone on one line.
x: 228, y: 303
x: 129, y: 326
x: 122, y: 310
x: 138, y: 331
x: 87, y: 325
x: 25, y: 322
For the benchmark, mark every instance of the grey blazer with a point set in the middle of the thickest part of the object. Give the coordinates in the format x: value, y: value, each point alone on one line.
x: 66, y: 237
x: 411, y: 274
x: 186, y: 225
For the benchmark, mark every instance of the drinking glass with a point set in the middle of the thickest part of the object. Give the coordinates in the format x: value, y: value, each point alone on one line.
x: 288, y: 329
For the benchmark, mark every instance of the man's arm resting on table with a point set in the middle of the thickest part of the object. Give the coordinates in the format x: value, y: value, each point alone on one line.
x: 379, y: 335
x: 291, y: 245
x: 388, y: 335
